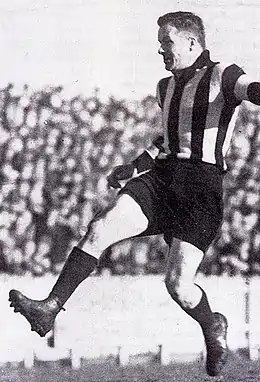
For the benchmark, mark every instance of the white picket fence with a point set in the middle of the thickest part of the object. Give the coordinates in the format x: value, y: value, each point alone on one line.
x: 126, y: 316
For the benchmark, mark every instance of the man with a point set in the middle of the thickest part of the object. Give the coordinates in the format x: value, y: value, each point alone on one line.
x: 179, y: 193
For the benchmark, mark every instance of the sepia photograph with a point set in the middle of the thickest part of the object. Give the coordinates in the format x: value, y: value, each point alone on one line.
x: 130, y: 191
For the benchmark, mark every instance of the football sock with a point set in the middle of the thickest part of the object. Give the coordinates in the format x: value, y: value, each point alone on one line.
x: 202, y: 312
x: 78, y: 266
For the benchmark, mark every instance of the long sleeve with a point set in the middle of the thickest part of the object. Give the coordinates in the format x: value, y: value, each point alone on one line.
x: 247, y: 89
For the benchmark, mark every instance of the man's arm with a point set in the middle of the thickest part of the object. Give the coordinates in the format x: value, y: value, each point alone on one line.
x: 156, y: 147
x: 143, y: 162
x: 246, y: 89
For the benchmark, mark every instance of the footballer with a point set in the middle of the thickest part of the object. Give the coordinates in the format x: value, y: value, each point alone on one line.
x: 178, y: 190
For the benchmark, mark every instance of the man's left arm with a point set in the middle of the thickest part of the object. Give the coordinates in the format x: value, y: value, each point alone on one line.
x: 246, y: 89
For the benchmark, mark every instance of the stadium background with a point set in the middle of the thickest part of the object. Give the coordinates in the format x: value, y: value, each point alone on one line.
x: 76, y: 99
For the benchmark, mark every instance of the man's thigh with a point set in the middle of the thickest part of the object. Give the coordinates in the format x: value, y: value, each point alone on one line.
x: 148, y: 191
x: 122, y: 219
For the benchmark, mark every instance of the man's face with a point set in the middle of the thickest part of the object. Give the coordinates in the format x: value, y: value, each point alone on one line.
x: 175, y: 47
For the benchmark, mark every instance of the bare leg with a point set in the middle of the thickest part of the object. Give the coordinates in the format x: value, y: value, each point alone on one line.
x: 121, y: 220
x: 183, y: 262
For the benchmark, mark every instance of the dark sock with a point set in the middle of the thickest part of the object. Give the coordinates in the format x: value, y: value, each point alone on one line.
x: 202, y: 312
x: 78, y: 266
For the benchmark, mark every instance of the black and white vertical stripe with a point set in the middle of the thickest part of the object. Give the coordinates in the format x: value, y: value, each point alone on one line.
x: 199, y: 112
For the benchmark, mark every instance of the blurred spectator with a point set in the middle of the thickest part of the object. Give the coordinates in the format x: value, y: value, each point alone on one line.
x: 55, y: 156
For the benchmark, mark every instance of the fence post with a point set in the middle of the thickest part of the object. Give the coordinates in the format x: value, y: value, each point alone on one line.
x: 165, y: 354
x: 252, y: 349
x: 123, y: 355
x: 29, y: 358
x: 75, y: 359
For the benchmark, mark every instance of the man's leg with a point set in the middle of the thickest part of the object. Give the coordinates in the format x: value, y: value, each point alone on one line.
x: 121, y: 220
x: 183, y: 262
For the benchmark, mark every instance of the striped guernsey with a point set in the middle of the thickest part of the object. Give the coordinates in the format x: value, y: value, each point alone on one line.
x: 199, y: 110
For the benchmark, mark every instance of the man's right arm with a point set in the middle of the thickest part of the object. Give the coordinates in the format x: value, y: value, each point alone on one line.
x: 143, y: 162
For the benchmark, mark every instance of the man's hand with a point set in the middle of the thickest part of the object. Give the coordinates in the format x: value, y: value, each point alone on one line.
x: 118, y: 173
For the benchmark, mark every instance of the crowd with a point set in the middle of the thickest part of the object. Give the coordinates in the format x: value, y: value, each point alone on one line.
x: 236, y: 249
x: 55, y: 156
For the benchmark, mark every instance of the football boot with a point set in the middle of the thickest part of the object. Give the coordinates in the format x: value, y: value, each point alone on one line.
x: 216, y: 344
x: 40, y: 314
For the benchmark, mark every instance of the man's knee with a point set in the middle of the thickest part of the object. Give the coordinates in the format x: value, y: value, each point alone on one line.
x: 173, y: 286
x: 183, y: 262
x: 179, y: 289
x: 97, y: 238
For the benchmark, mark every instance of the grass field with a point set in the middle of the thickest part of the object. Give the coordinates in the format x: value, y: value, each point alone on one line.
x: 135, y: 313
x: 238, y: 369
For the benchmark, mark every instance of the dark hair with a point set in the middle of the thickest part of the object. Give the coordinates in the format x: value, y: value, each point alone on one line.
x: 185, y: 21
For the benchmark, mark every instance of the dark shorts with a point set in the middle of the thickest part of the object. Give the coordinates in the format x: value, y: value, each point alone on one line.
x: 180, y: 199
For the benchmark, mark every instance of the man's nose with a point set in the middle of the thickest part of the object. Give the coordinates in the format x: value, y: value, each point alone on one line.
x: 160, y: 50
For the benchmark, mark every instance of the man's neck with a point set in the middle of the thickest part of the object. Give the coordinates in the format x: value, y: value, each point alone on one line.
x: 178, y: 72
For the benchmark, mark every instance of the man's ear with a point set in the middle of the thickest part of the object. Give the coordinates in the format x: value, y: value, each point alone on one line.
x: 192, y: 41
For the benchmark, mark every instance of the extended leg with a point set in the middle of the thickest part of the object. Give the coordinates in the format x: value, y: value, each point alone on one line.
x: 121, y: 220
x: 183, y: 262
